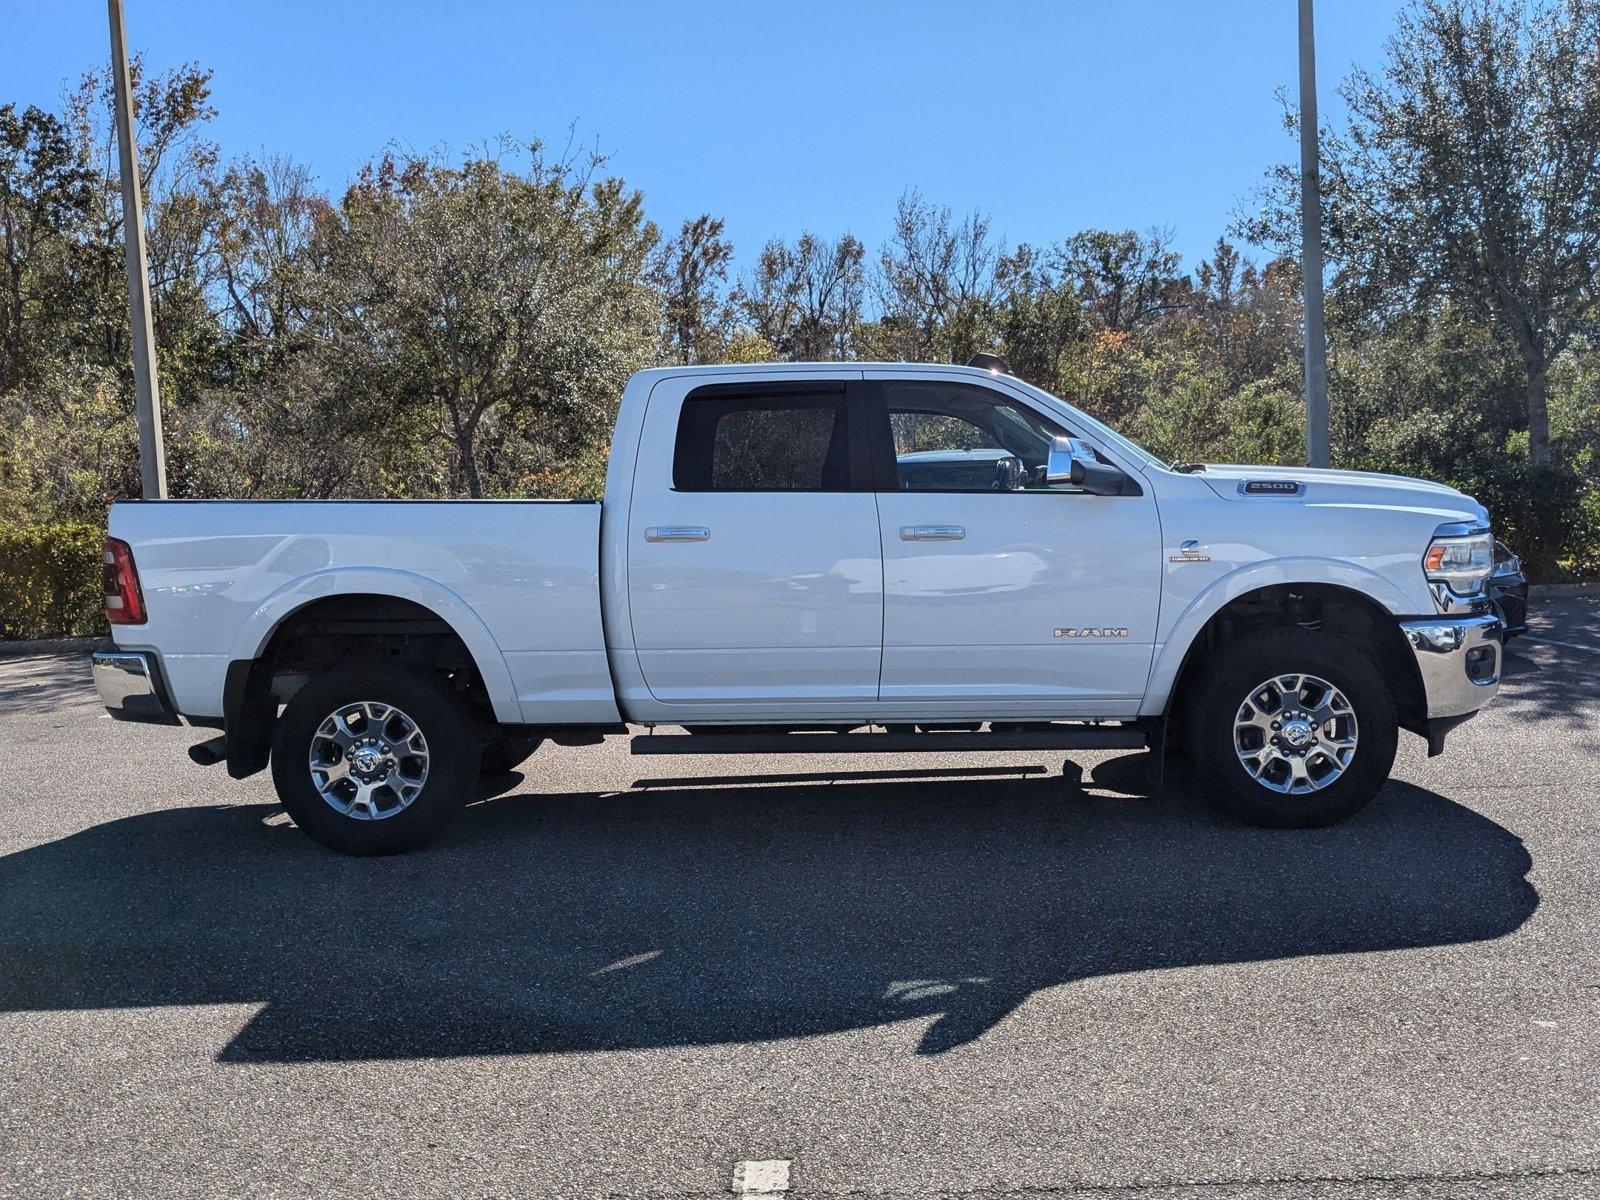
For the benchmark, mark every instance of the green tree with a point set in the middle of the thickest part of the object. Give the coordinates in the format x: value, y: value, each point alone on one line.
x: 1127, y: 281
x: 691, y: 274
x: 507, y: 302
x: 66, y: 429
x: 45, y: 197
x: 264, y: 216
x: 1470, y: 172
x: 936, y: 284
x: 805, y: 300
x: 1041, y: 317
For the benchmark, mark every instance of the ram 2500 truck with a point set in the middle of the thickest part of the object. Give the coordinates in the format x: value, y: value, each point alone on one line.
x: 819, y: 558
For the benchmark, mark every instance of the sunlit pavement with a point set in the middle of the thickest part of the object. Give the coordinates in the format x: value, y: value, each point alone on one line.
x: 900, y: 976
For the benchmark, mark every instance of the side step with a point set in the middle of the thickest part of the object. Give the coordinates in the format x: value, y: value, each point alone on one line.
x: 1055, y: 737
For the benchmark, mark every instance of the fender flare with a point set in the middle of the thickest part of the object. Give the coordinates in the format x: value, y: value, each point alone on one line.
x: 1186, y: 629
x: 450, y: 608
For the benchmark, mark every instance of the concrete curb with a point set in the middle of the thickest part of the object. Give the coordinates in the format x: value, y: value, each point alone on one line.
x: 1553, y: 591
x: 79, y: 645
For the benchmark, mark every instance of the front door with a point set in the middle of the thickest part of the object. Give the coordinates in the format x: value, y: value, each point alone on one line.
x: 755, y: 581
x: 1001, y: 594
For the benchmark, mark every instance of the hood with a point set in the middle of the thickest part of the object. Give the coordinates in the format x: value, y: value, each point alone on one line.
x: 1323, y: 486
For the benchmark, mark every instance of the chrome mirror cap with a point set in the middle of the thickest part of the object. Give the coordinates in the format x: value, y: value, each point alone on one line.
x: 1064, y: 464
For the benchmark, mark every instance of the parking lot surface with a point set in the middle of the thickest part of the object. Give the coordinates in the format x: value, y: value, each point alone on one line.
x: 902, y: 976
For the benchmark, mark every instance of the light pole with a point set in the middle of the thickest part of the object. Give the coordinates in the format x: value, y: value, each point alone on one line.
x: 146, y: 385
x: 1317, y: 452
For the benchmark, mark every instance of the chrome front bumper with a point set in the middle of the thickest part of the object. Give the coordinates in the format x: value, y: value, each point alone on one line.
x: 1459, y: 659
x: 129, y: 683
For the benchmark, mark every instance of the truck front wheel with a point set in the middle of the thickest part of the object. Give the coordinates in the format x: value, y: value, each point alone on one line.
x: 1292, y: 729
x: 373, y: 758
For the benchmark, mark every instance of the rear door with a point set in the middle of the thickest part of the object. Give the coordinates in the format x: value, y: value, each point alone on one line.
x: 755, y: 580
x: 1002, y: 594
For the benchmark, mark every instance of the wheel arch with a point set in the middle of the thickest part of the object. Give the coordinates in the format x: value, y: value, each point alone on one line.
x: 315, y: 621
x: 1339, y: 609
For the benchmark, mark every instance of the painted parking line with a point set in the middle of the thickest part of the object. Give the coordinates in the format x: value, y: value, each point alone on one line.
x: 761, y: 1177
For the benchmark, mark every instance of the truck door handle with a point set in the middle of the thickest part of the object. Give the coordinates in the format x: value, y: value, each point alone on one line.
x: 932, y: 533
x: 676, y: 533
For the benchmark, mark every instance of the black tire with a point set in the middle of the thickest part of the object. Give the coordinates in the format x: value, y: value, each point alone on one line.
x: 504, y: 754
x: 1244, y: 664
x: 451, y: 742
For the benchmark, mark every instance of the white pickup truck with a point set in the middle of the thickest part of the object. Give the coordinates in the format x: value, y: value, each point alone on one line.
x: 819, y: 558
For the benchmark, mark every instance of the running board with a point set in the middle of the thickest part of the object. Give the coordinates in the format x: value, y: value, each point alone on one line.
x: 1062, y: 737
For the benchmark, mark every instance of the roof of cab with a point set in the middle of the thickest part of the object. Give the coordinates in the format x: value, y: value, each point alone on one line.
x: 803, y: 368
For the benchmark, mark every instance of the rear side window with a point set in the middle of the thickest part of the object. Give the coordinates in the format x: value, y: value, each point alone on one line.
x: 763, y: 443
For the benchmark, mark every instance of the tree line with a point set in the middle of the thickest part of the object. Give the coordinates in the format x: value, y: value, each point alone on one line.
x: 462, y: 324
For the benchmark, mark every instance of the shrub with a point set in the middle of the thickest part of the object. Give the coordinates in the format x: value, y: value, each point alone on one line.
x: 50, y: 580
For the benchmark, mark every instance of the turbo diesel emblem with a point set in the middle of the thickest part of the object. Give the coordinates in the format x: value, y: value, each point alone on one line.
x: 1091, y: 633
x: 1188, y: 552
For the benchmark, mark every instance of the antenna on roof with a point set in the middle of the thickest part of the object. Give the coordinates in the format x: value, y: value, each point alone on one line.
x: 990, y: 362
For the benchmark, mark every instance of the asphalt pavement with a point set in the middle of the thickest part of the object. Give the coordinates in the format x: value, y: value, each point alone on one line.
x: 902, y: 976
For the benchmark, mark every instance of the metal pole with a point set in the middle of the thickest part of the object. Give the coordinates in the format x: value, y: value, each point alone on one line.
x: 1317, y: 453
x: 146, y: 385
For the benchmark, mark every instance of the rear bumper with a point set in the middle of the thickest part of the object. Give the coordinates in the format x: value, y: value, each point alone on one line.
x: 129, y: 683
x: 1458, y: 658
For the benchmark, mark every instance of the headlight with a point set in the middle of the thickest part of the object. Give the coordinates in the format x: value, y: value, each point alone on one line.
x: 1460, y: 561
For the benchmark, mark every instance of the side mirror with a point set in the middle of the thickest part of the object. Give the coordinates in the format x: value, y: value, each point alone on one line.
x: 1072, y: 461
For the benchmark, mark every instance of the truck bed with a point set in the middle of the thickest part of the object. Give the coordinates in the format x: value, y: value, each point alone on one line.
x: 519, y: 581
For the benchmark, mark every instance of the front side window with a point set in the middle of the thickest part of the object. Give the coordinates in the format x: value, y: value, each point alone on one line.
x: 763, y: 443
x: 954, y: 437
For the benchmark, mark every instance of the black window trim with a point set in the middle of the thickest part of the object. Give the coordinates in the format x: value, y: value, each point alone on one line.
x: 857, y: 451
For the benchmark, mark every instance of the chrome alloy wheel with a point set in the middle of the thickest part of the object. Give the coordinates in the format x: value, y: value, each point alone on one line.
x: 1295, y: 734
x: 368, y: 760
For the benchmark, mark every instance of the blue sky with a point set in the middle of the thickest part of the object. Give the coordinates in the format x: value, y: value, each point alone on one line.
x: 1052, y: 117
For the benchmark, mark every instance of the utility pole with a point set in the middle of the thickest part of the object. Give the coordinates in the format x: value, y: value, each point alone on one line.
x: 146, y: 385
x: 1317, y: 452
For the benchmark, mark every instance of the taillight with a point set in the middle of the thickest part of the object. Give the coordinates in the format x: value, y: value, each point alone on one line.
x: 124, y: 600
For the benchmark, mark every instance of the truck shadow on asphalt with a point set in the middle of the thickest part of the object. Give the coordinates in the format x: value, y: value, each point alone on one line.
x: 682, y: 915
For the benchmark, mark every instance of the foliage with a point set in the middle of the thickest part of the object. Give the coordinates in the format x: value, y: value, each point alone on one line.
x: 805, y: 300
x: 67, y: 443
x: 1437, y: 398
x: 506, y: 305
x: 936, y: 285
x: 690, y: 273
x: 50, y: 580
x: 1470, y: 173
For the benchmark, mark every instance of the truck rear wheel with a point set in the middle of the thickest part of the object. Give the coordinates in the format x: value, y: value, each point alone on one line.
x: 1292, y: 729
x: 373, y: 758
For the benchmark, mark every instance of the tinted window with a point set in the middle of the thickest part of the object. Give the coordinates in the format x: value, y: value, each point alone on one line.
x: 763, y: 443
x: 953, y: 437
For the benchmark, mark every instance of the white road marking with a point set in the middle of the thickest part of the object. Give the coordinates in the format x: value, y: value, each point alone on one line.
x: 622, y: 964
x: 1544, y: 641
x: 761, y: 1177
